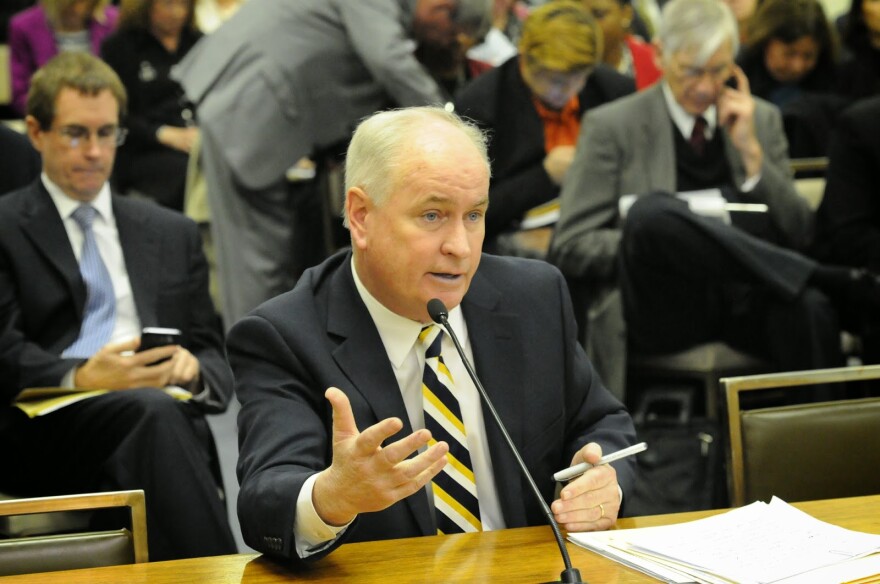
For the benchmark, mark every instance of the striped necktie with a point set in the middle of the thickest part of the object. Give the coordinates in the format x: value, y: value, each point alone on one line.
x: 454, y: 488
x: 99, y: 314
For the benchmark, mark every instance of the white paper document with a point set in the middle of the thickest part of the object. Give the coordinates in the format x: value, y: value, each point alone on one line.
x: 708, y: 202
x: 761, y: 543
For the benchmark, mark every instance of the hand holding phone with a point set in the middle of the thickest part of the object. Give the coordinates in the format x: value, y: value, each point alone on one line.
x: 152, y: 337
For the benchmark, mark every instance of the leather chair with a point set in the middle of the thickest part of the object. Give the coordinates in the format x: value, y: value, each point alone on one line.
x: 82, y: 549
x: 803, y: 452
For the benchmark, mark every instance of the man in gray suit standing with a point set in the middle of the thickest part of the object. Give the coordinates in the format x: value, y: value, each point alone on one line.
x: 286, y: 79
x: 687, y: 279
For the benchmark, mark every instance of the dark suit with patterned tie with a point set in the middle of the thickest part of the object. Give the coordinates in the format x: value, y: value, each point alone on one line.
x: 286, y: 353
x: 123, y: 439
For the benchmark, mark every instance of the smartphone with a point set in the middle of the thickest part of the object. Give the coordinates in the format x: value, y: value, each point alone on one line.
x: 152, y: 337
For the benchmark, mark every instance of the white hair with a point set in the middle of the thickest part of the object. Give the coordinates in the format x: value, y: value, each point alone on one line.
x: 382, y: 143
x: 698, y: 27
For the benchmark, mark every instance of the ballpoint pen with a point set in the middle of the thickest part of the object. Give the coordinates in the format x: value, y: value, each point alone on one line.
x: 579, y: 469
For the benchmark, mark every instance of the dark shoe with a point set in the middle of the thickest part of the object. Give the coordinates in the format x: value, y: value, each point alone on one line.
x: 862, y: 297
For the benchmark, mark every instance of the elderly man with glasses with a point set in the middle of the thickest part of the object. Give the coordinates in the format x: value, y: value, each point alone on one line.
x: 686, y: 278
x: 81, y: 272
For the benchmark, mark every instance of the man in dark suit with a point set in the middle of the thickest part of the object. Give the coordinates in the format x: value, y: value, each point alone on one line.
x: 321, y: 466
x: 74, y: 294
x: 19, y: 162
x: 532, y: 106
x: 848, y: 220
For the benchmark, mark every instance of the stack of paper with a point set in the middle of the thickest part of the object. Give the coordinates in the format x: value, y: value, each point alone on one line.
x: 760, y: 543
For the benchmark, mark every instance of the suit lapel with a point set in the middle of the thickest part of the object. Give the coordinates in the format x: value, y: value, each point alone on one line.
x: 141, y: 245
x: 362, y: 358
x: 43, y: 225
x: 494, y: 338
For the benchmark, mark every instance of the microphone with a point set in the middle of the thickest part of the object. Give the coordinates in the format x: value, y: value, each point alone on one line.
x: 439, y: 314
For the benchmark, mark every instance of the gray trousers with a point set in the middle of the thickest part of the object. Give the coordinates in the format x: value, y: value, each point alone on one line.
x: 253, y: 236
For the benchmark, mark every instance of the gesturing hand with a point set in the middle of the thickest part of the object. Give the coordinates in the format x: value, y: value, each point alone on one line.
x: 364, y: 476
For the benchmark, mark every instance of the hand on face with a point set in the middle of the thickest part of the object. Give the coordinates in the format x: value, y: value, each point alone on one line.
x: 590, y: 502
x: 736, y: 113
x: 365, y: 476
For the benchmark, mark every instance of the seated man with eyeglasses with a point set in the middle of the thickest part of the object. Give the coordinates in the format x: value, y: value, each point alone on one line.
x: 81, y: 272
x: 684, y: 278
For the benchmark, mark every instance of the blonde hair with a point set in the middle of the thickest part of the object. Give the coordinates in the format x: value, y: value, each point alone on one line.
x: 82, y: 72
x: 561, y: 36
x: 55, y: 8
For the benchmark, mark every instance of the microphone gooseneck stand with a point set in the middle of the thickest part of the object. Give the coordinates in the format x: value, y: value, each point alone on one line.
x: 439, y: 314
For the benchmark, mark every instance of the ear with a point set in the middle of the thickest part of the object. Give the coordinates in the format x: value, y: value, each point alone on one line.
x: 34, y: 132
x: 357, y: 208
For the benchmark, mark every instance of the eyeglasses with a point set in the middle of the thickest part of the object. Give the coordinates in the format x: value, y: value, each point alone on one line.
x: 718, y: 74
x: 107, y: 136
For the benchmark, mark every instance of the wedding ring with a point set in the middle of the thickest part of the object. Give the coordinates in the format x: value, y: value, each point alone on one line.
x: 602, y: 509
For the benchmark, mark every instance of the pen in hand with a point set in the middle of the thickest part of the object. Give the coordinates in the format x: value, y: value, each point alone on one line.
x: 579, y: 469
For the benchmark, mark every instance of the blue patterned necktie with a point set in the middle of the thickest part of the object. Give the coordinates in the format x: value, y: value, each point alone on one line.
x: 454, y: 488
x: 99, y: 315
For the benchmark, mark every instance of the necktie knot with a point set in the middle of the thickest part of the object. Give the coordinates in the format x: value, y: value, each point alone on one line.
x: 84, y: 215
x: 698, y: 135
x: 431, y: 337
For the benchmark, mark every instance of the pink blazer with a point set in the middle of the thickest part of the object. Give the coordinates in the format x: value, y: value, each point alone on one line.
x: 32, y: 43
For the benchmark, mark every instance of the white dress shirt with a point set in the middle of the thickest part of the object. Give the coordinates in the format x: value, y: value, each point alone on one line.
x: 407, y: 358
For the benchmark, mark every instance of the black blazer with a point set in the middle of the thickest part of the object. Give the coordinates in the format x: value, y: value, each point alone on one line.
x: 42, y: 294
x: 287, y: 352
x: 19, y: 162
x: 499, y: 101
x: 848, y: 220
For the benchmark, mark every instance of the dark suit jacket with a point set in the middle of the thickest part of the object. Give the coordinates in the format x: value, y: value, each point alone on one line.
x: 848, y: 219
x: 42, y: 294
x: 287, y: 352
x: 501, y: 102
x: 19, y: 162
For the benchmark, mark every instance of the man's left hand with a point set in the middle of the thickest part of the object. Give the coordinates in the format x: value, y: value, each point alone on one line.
x: 590, y: 502
x: 184, y: 370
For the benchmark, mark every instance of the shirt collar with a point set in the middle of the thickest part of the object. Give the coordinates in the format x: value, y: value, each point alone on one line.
x: 685, y: 121
x: 399, y: 333
x: 67, y: 205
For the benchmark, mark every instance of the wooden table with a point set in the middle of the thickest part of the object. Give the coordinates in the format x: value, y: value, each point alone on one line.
x: 513, y: 555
